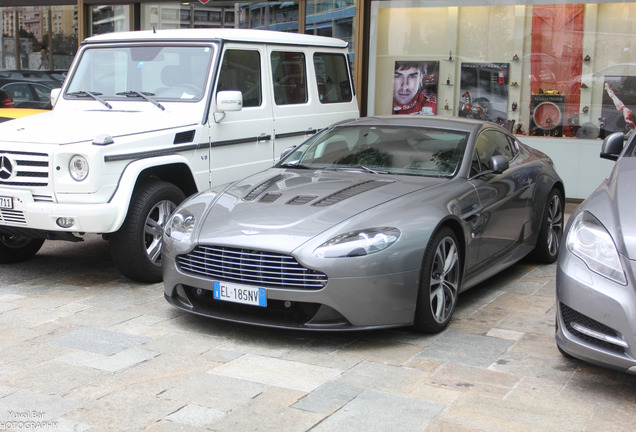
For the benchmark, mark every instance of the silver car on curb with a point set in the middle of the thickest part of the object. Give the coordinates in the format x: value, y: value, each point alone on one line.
x: 596, y: 289
x: 376, y: 222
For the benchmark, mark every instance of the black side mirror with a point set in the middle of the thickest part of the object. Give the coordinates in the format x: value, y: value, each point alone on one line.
x: 612, y: 146
x: 499, y: 163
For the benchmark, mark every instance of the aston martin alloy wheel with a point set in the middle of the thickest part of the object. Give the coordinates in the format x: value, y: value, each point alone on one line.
x: 439, y: 283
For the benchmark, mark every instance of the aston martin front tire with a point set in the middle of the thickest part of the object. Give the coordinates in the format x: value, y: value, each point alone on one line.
x: 440, y: 280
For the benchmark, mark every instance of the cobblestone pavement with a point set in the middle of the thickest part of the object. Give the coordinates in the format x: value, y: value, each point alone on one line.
x: 83, y: 348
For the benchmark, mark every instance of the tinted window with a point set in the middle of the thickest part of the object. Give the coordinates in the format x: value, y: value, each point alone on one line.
x: 241, y: 70
x: 332, y: 76
x: 19, y: 92
x: 491, y: 143
x: 290, y: 78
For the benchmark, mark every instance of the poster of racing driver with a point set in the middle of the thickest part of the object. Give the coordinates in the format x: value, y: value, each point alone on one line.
x: 415, y: 87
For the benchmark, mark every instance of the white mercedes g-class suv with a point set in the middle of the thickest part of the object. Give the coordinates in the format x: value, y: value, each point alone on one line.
x: 145, y: 119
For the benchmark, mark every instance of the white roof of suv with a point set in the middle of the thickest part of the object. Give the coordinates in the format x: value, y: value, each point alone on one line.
x: 238, y: 35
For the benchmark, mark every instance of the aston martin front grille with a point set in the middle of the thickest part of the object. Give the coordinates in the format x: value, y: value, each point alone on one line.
x: 252, y: 267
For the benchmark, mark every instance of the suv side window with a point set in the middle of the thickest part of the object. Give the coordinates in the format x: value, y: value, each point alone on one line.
x: 489, y: 144
x: 290, y: 78
x: 332, y: 76
x: 241, y: 70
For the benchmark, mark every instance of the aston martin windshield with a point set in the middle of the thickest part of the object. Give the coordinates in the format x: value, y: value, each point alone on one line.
x: 156, y: 72
x: 383, y: 150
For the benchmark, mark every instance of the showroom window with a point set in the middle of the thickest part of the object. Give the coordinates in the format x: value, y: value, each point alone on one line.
x: 545, y: 70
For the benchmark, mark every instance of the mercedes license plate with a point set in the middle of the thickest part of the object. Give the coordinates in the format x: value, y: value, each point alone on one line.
x: 6, y: 202
x: 240, y: 294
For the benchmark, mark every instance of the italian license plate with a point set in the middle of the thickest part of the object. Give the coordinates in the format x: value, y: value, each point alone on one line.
x: 240, y: 294
x: 6, y: 202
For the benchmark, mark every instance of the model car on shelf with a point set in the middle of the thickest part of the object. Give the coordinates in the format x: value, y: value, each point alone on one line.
x: 595, y: 286
x: 377, y: 222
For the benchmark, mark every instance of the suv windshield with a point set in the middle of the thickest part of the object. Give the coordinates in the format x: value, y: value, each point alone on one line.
x: 159, y: 72
x: 383, y: 150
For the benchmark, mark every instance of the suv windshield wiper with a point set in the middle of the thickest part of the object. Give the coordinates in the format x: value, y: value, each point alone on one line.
x: 96, y: 96
x: 144, y: 95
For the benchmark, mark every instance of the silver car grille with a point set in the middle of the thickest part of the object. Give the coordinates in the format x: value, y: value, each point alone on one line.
x: 26, y: 169
x: 252, y: 267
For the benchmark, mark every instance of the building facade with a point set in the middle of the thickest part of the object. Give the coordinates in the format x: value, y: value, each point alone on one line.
x: 558, y: 72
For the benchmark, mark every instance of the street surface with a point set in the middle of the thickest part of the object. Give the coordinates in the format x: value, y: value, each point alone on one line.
x: 83, y: 348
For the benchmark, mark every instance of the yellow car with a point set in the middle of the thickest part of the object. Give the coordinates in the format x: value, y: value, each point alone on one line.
x: 13, y: 113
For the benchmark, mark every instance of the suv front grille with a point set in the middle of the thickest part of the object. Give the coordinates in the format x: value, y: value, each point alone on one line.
x: 27, y: 169
x: 252, y: 267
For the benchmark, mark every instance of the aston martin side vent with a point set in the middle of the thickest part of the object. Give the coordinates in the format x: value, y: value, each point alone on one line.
x: 349, y: 192
x: 269, y: 197
x: 301, y: 199
x: 262, y: 187
x: 184, y: 137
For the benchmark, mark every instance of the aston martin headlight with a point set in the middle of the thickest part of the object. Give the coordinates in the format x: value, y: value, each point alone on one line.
x: 78, y: 167
x: 180, y: 226
x: 358, y: 243
x: 589, y: 240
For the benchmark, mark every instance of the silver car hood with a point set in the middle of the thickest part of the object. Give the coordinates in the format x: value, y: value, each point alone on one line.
x: 282, y: 209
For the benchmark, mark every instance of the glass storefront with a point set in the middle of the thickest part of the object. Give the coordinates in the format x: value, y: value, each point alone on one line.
x: 545, y: 70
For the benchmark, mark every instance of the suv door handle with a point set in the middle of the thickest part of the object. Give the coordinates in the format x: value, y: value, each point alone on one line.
x: 263, y: 137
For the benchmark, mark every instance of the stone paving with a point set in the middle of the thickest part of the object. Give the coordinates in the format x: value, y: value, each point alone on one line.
x: 83, y: 348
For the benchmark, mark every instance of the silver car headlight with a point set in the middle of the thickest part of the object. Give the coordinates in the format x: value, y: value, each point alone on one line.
x: 589, y: 240
x: 78, y: 168
x: 180, y: 225
x: 358, y: 243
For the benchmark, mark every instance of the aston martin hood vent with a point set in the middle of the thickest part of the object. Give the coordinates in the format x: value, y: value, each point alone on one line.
x: 262, y: 187
x: 260, y: 190
x: 349, y: 192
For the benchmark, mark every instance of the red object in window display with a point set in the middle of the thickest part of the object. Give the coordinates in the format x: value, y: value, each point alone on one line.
x: 557, y: 50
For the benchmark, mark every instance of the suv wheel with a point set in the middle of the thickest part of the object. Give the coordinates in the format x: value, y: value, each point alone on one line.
x: 136, y: 247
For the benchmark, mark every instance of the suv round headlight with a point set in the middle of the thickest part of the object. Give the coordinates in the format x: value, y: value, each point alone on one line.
x: 78, y: 167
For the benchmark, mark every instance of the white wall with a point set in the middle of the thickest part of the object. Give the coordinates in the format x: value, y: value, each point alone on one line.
x: 576, y: 160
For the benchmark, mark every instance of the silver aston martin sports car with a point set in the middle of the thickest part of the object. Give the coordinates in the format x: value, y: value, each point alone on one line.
x: 377, y: 222
x: 596, y: 290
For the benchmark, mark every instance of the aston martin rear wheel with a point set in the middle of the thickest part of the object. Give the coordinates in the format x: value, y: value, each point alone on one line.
x: 551, y: 230
x: 15, y: 248
x: 439, y: 283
